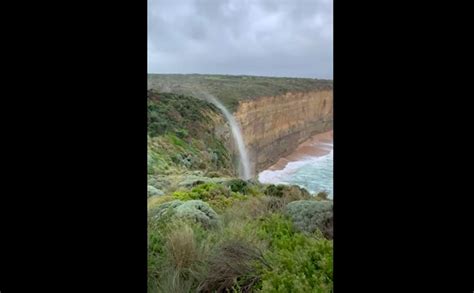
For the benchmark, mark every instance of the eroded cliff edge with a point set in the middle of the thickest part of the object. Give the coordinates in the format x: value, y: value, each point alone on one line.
x: 274, y: 126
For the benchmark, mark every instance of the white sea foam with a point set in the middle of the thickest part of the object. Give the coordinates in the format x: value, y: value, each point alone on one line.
x: 313, y: 173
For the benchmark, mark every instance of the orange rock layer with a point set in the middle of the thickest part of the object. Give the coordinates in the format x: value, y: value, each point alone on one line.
x: 273, y: 127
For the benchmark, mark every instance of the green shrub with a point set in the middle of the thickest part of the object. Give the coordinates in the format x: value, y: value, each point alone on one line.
x: 288, y: 192
x: 194, y: 210
x: 153, y: 191
x: 297, y: 262
x: 164, y: 209
x: 274, y: 190
x: 210, y: 190
x: 204, y: 191
x: 309, y: 215
x: 278, y: 196
x: 177, y: 141
x: 181, y: 133
x: 238, y: 185
x: 198, y: 211
x: 218, y: 196
x: 157, y: 231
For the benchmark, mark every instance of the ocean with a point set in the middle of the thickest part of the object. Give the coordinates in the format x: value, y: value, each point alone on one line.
x: 315, y: 173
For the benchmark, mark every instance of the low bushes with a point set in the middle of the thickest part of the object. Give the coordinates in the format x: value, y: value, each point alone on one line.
x: 297, y: 262
x: 309, y: 215
x: 153, y: 191
x: 255, y: 245
x: 288, y: 192
x: 205, y: 191
x: 218, y: 196
x: 181, y: 135
x: 194, y: 210
x: 278, y: 196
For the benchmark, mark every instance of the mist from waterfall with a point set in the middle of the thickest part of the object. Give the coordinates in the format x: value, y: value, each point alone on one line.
x: 244, y: 170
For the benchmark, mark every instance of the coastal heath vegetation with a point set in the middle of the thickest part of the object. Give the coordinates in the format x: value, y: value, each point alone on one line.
x: 209, y: 231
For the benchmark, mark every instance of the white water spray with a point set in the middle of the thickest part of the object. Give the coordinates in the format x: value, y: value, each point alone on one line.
x: 237, y: 134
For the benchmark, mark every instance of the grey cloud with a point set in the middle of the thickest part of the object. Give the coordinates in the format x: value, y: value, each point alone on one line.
x: 260, y: 37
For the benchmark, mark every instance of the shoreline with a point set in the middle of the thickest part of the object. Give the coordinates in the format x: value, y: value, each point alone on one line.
x: 316, y: 146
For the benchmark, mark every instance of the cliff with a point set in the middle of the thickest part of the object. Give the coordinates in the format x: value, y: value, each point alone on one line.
x: 232, y: 89
x: 276, y: 114
x: 274, y: 126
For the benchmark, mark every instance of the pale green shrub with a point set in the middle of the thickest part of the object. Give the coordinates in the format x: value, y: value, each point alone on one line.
x: 153, y: 191
x: 309, y: 215
x: 194, y: 210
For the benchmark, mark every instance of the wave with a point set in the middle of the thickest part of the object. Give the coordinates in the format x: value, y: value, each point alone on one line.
x: 310, y: 172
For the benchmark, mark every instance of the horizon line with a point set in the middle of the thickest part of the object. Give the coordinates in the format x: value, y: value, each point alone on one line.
x: 250, y: 75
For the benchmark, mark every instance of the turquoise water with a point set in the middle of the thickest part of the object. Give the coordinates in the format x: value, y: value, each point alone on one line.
x: 313, y: 173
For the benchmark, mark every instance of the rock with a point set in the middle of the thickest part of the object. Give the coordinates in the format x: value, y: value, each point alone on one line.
x: 274, y: 126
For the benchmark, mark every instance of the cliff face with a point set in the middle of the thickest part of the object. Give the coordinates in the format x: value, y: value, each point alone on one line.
x: 274, y: 126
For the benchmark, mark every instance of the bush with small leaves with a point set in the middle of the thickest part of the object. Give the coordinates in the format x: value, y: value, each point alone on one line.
x: 297, y: 262
x: 309, y: 215
x: 218, y: 196
x: 288, y: 192
x: 194, y: 210
x: 274, y: 190
x: 238, y: 185
x: 153, y: 191
x: 198, y: 211
x: 164, y: 209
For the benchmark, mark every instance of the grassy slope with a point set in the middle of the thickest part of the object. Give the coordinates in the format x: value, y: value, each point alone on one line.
x: 181, y: 139
x: 230, y: 89
x: 250, y: 245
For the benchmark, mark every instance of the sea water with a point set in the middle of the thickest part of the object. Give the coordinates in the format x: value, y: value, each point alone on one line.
x: 315, y: 173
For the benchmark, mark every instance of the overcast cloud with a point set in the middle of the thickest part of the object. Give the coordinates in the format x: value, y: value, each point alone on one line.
x: 291, y: 38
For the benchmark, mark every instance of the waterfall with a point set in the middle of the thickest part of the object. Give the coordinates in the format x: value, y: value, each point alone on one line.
x: 237, y: 134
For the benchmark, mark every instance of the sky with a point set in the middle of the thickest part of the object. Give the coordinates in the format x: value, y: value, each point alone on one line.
x: 291, y: 38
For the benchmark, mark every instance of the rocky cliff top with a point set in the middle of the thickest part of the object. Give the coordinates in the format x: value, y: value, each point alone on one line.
x: 230, y: 89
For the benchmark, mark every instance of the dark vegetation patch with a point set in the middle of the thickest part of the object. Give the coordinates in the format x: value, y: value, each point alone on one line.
x: 182, y: 135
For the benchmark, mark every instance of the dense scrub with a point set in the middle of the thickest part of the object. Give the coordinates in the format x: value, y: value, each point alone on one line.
x: 211, y: 232
x: 310, y: 215
x: 182, y: 140
x: 243, y: 246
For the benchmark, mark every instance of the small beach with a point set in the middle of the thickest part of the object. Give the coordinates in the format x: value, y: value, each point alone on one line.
x: 309, y: 166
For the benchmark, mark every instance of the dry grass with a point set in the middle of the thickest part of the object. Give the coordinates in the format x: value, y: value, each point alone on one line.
x: 231, y: 266
x: 155, y: 201
x: 181, y: 247
x: 182, y: 270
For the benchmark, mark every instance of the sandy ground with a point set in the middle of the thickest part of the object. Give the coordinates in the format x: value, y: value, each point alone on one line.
x: 315, y: 146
